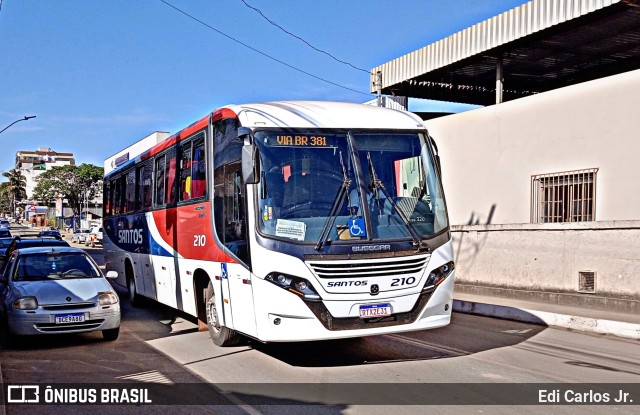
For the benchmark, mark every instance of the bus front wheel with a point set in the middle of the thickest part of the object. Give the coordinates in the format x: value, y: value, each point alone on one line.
x: 221, y: 335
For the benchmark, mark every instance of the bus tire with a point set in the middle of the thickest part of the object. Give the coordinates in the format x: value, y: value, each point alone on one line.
x: 134, y: 298
x: 222, y: 336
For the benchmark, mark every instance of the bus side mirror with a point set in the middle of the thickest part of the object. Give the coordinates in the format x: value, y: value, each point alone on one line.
x: 250, y: 164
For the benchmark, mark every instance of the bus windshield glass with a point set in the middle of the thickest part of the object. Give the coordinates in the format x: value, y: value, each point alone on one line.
x: 303, y: 175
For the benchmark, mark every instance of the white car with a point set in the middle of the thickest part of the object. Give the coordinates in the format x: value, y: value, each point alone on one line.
x: 94, y: 237
x: 79, y: 235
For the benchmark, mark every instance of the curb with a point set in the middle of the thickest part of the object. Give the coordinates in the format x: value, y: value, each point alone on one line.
x: 584, y: 324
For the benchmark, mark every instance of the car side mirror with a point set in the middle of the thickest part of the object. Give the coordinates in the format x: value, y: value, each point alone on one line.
x: 112, y: 275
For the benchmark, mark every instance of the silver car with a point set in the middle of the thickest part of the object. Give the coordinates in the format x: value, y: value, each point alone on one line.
x: 56, y: 289
x: 79, y: 235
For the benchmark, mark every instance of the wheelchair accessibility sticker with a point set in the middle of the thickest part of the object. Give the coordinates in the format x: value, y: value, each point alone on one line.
x: 357, y: 228
x: 225, y: 274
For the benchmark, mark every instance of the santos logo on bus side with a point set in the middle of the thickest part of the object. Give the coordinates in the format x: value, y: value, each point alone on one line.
x: 130, y: 236
x: 346, y: 284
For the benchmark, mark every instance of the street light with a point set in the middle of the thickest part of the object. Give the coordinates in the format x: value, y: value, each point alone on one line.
x: 26, y: 117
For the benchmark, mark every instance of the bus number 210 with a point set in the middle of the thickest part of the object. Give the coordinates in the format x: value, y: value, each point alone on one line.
x: 403, y: 281
x: 199, y: 240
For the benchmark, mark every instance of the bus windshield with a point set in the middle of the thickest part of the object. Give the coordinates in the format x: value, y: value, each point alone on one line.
x: 391, y: 176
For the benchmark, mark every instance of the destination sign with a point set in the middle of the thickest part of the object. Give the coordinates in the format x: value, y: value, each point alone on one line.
x: 300, y: 140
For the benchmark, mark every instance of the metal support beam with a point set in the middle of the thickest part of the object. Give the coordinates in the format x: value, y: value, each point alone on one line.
x: 379, y: 88
x: 499, y: 80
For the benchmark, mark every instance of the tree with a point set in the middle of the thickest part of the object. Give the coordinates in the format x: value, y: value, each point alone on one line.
x: 5, y: 198
x: 71, y: 183
x: 15, y: 189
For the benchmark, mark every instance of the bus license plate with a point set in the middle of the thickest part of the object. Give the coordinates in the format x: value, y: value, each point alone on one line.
x: 375, y: 310
x: 69, y: 318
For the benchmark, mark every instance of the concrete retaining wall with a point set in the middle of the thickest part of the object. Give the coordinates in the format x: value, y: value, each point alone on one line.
x: 549, y: 257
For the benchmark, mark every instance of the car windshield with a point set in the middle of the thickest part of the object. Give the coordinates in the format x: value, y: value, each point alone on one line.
x: 54, y: 265
x: 390, y: 175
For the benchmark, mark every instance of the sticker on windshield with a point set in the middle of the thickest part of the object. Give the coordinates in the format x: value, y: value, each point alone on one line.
x: 357, y: 227
x: 291, y: 229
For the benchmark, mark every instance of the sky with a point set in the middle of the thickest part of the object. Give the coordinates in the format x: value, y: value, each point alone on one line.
x: 100, y: 75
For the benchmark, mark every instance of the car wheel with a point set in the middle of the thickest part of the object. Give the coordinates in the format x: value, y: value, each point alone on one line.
x: 221, y: 336
x: 7, y: 339
x: 111, y: 334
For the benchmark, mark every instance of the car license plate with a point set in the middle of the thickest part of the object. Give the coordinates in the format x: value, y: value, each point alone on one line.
x: 375, y: 310
x: 69, y: 318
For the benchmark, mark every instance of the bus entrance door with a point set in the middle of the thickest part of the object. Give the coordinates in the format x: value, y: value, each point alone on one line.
x: 241, y: 299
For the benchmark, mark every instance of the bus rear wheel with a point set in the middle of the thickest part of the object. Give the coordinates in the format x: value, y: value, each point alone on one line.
x: 221, y: 336
x: 134, y: 298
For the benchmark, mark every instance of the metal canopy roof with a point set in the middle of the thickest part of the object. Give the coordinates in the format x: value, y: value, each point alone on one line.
x: 539, y: 46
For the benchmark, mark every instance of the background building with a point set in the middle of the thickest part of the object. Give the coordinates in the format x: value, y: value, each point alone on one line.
x: 34, y: 163
x: 540, y: 182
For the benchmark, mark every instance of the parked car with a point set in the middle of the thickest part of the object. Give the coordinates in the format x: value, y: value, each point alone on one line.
x: 94, y: 237
x: 5, y: 233
x: 50, y: 232
x: 4, y: 223
x: 26, y: 242
x: 79, y: 235
x: 56, y: 289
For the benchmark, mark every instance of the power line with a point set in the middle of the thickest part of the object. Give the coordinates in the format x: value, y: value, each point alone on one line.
x: 299, y: 38
x: 258, y: 51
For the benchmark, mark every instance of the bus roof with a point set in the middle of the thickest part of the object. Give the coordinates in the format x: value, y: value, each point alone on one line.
x: 294, y: 114
x: 323, y: 114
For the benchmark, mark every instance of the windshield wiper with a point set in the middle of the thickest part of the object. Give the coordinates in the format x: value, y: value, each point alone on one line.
x: 376, y: 184
x: 337, y: 203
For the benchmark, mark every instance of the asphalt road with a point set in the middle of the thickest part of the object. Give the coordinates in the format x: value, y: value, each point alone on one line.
x: 158, y: 346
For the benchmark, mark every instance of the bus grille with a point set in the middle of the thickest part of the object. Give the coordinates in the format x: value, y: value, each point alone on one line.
x: 370, y: 267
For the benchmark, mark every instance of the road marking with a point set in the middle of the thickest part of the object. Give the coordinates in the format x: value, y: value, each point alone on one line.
x: 151, y: 376
x: 523, y: 331
x: 229, y: 395
x: 429, y: 345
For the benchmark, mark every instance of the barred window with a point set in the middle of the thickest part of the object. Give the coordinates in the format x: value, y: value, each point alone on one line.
x: 564, y: 197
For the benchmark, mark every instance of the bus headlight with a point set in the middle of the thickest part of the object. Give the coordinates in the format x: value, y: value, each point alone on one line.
x: 296, y: 285
x: 437, y: 276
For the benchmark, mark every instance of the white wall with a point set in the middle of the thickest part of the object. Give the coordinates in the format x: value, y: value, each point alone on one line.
x: 135, y: 149
x: 489, y: 154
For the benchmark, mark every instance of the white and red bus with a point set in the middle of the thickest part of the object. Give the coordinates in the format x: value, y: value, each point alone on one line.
x: 287, y: 221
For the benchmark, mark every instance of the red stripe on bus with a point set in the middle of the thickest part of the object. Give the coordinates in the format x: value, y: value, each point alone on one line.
x: 188, y: 231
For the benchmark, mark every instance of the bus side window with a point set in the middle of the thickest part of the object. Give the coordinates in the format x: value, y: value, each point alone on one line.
x: 160, y: 181
x: 185, y: 172
x: 144, y: 186
x: 107, y: 198
x: 198, y: 170
x: 170, y: 176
